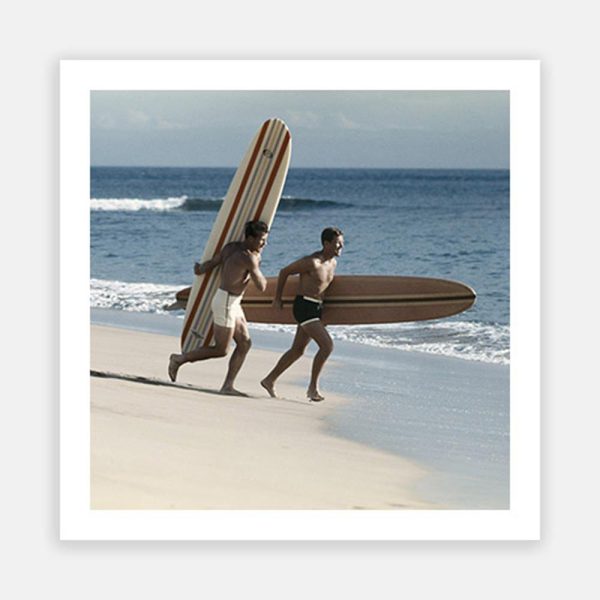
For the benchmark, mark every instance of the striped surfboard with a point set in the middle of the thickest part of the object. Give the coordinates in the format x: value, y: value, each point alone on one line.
x: 253, y: 194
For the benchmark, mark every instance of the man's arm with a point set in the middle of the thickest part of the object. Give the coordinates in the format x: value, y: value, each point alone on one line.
x: 260, y: 281
x: 209, y: 265
x: 296, y: 268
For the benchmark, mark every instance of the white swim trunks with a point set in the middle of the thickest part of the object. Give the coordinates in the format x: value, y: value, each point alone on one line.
x: 226, y: 308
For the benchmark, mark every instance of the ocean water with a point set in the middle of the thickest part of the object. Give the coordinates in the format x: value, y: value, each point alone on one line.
x: 148, y: 226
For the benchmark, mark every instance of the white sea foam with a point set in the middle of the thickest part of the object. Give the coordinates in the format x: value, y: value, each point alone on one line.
x: 136, y: 204
x: 468, y: 340
x: 288, y: 203
x: 135, y: 297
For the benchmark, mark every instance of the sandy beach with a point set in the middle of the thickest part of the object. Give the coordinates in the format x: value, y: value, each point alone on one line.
x: 168, y: 447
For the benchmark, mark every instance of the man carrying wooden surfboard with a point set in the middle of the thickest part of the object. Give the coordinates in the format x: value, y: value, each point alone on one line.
x: 316, y: 273
x: 240, y: 264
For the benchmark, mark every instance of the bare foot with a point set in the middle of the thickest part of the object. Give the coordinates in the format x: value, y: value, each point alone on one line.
x: 314, y: 396
x: 269, y: 387
x: 173, y: 367
x: 231, y: 391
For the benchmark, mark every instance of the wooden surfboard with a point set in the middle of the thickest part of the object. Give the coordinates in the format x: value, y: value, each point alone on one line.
x: 253, y: 194
x: 361, y: 300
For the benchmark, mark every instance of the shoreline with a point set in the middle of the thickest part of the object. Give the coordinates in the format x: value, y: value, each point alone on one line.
x: 163, y: 447
x: 447, y: 415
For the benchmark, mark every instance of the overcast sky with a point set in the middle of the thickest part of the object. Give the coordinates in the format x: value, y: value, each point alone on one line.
x: 329, y: 129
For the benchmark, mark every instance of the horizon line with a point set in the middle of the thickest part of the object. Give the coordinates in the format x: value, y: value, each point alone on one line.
x: 312, y: 168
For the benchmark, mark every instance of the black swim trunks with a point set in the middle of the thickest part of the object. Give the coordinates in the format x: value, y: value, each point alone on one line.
x: 307, y: 309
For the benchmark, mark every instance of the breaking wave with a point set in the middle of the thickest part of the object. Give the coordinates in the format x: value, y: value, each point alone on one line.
x: 184, y: 203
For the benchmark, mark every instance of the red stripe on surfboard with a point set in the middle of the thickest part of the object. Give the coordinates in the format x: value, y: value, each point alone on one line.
x: 263, y: 200
x: 274, y: 172
x: 227, y: 226
x: 242, y: 185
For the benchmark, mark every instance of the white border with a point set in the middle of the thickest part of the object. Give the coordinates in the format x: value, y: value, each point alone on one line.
x: 521, y: 78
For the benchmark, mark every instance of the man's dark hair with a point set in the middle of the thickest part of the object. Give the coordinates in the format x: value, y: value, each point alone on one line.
x: 329, y: 234
x: 255, y: 228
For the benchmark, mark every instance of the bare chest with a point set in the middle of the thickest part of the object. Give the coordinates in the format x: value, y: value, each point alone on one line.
x: 235, y: 266
x: 322, y: 275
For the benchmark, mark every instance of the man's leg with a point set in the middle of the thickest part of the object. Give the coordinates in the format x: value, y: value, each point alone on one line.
x: 316, y: 330
x: 223, y: 337
x: 301, y: 340
x: 243, y: 343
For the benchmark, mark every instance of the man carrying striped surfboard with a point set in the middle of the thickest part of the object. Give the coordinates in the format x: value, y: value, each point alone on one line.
x: 240, y: 263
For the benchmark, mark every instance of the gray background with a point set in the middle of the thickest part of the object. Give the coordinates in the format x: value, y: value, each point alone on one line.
x: 564, y: 37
